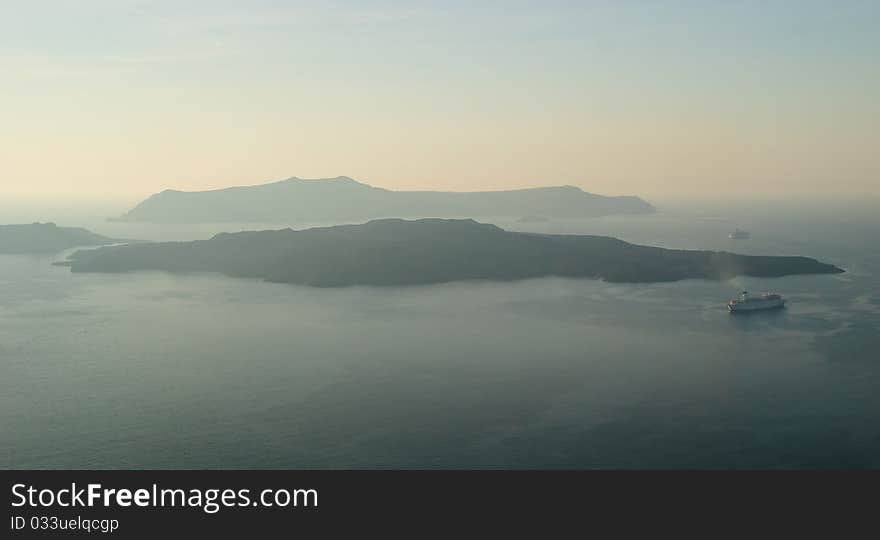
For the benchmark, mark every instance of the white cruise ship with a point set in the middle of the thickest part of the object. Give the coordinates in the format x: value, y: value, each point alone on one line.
x: 752, y: 303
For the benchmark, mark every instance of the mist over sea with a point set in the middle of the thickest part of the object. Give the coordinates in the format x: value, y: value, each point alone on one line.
x: 154, y: 370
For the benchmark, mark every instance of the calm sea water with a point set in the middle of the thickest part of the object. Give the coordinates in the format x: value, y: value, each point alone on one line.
x: 157, y: 370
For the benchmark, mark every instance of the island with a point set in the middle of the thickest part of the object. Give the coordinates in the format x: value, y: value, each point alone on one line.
x: 533, y: 219
x: 46, y: 238
x: 343, y: 199
x: 401, y: 252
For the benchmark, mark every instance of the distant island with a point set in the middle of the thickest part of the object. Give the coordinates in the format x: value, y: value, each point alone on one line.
x: 344, y: 199
x: 400, y: 252
x: 533, y: 219
x: 46, y: 238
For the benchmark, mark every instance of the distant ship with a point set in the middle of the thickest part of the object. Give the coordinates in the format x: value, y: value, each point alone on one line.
x: 739, y: 235
x: 750, y: 303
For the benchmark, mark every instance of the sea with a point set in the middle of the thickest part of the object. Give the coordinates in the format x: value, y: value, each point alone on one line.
x: 155, y: 370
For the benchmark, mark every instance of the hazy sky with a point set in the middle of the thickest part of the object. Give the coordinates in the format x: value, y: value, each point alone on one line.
x: 128, y: 97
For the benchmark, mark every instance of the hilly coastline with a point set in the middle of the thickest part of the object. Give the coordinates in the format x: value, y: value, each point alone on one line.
x: 46, y: 238
x: 399, y: 252
x: 345, y: 199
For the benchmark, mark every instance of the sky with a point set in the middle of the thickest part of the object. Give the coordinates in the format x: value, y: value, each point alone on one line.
x: 124, y: 98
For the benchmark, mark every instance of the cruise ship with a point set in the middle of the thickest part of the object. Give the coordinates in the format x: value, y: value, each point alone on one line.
x: 739, y: 234
x: 751, y: 303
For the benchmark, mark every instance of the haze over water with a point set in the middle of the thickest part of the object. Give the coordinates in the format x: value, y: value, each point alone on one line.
x: 159, y: 370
